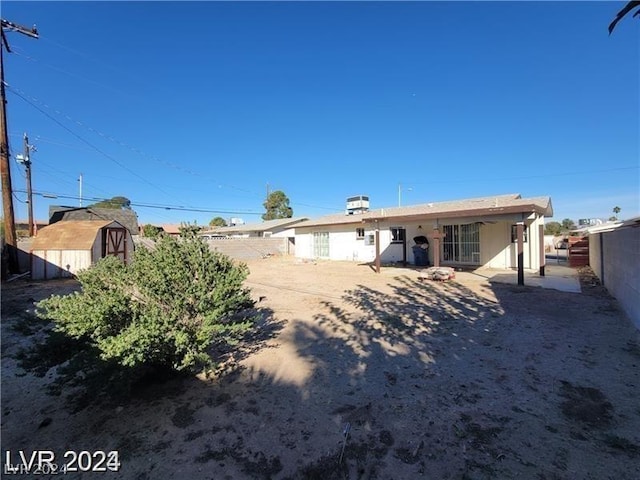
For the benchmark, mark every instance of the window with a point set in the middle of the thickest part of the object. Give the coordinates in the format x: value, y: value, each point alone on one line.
x: 514, y: 234
x: 397, y: 234
x: 370, y: 239
x: 359, y: 233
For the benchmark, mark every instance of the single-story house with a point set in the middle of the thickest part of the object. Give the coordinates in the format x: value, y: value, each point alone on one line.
x: 282, y: 227
x: 64, y: 248
x: 125, y: 217
x: 470, y: 232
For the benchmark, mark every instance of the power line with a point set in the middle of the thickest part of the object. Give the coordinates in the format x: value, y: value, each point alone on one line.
x: 147, y: 205
x: 120, y: 164
x: 53, y: 67
x: 165, y: 163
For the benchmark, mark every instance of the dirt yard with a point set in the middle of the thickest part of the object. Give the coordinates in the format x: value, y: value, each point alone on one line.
x: 456, y: 380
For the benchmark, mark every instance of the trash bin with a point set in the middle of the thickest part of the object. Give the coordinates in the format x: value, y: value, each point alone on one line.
x: 420, y: 249
x: 420, y: 256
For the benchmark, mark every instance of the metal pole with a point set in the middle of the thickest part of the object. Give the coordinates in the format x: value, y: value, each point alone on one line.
x: 377, y: 240
x: 27, y: 165
x: 543, y: 256
x: 520, y: 240
x: 80, y: 180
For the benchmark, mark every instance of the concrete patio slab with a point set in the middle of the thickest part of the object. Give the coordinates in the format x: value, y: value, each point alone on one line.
x: 557, y: 277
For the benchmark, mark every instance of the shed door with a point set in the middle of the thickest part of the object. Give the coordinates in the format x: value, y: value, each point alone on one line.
x: 116, y: 243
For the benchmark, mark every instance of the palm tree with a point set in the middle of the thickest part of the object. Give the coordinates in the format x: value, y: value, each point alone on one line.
x: 627, y: 8
x: 616, y: 210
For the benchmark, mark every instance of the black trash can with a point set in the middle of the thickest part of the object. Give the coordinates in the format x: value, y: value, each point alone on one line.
x: 420, y: 257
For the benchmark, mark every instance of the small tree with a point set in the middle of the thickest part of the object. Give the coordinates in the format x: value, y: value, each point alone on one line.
x: 568, y: 224
x: 616, y: 210
x: 117, y: 203
x: 277, y: 206
x: 218, y: 222
x: 552, y: 228
x: 151, y: 231
x: 164, y: 309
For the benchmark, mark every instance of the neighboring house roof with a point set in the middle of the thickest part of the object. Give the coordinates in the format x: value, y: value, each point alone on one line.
x: 266, y: 226
x: 124, y: 217
x: 171, y: 229
x: 69, y: 235
x: 483, y: 206
x: 610, y: 226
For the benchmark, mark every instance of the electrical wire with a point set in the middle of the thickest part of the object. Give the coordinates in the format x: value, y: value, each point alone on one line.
x: 53, y: 67
x: 146, y: 205
x: 153, y: 158
x: 106, y: 155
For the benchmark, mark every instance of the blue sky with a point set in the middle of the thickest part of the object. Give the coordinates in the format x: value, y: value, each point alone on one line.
x: 202, y: 105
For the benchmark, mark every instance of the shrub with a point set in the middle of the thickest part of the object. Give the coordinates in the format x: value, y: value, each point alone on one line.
x: 165, y: 309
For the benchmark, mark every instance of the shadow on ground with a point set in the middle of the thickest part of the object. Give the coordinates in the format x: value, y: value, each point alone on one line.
x: 432, y: 379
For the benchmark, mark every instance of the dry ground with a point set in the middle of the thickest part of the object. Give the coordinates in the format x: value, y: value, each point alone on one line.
x: 457, y: 380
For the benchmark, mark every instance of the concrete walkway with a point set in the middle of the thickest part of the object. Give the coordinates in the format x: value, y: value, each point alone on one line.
x: 557, y: 277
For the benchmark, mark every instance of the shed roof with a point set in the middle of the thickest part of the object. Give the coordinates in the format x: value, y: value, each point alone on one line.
x: 259, y: 227
x: 482, y: 206
x: 124, y: 217
x: 70, y: 235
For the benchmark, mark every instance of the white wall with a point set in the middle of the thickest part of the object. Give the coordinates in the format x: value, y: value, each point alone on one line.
x: 496, y: 249
x: 46, y: 264
x: 288, y: 232
x: 615, y: 258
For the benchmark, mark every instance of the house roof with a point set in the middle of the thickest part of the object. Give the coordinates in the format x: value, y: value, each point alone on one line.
x: 483, y: 206
x: 69, y: 235
x: 171, y: 229
x: 259, y: 227
x: 124, y: 217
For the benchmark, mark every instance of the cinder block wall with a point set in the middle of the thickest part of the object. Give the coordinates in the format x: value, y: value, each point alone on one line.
x: 250, y: 248
x: 615, y: 259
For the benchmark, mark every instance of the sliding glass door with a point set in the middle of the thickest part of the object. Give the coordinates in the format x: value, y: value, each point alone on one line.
x: 461, y: 243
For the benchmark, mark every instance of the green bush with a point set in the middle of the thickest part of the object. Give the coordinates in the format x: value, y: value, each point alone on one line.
x: 165, y: 309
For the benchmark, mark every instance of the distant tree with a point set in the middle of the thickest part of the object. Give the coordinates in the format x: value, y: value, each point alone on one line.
x: 616, y: 210
x: 568, y: 224
x: 625, y: 10
x: 218, y: 222
x: 189, y: 229
x: 119, y: 203
x: 151, y: 231
x: 277, y: 206
x: 552, y: 228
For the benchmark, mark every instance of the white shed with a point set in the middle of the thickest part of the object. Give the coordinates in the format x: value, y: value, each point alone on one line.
x: 64, y: 248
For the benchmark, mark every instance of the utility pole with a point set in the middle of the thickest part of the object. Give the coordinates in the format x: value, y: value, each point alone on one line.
x: 5, y: 171
x: 400, y: 194
x: 80, y: 180
x: 25, y: 159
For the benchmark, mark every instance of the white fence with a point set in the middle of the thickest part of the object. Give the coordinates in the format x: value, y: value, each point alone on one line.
x: 614, y: 257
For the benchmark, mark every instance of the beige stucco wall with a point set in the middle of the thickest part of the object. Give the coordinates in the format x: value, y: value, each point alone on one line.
x: 496, y: 249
